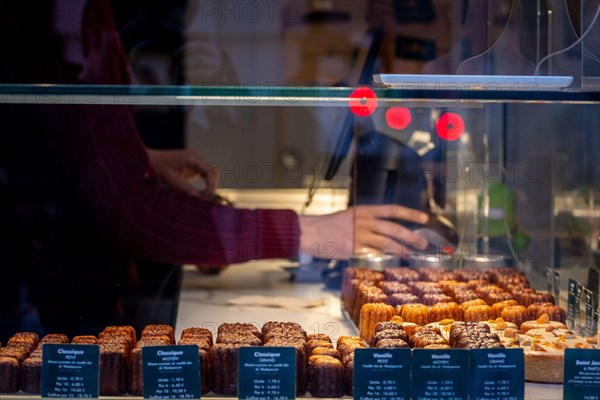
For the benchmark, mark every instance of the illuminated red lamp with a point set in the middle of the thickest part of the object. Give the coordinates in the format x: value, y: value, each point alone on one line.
x: 450, y: 126
x: 398, y: 118
x: 363, y: 102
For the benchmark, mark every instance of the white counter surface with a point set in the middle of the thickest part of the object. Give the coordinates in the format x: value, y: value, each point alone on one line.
x: 205, y: 301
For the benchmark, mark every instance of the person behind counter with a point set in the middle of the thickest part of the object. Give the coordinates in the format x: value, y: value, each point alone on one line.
x: 81, y: 197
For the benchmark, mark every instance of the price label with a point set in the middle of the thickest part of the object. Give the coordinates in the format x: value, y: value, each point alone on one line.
x: 381, y: 374
x: 572, y: 291
x: 267, y: 373
x: 588, y: 297
x: 578, y: 293
x: 440, y: 374
x: 171, y: 372
x: 582, y: 375
x: 497, y: 374
x: 70, y: 371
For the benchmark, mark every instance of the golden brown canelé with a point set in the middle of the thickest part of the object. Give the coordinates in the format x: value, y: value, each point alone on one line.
x: 515, y: 314
x: 416, y: 313
x: 447, y: 310
x: 370, y: 315
x: 478, y: 313
x: 498, y: 307
x: 555, y: 313
x: 326, y: 376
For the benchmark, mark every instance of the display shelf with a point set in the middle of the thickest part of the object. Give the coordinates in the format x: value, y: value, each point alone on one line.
x: 291, y: 96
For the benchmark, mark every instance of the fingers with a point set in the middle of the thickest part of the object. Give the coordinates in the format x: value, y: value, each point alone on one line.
x: 193, y: 165
x: 388, y: 237
x: 393, y: 211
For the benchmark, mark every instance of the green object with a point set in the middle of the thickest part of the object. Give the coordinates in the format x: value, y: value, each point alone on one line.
x: 501, y: 219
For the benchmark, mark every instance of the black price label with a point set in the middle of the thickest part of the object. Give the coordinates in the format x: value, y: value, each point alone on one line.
x: 582, y: 375
x: 588, y: 297
x: 578, y: 293
x: 572, y: 289
x: 70, y: 371
x: 267, y: 373
x: 497, y: 374
x: 440, y: 374
x: 171, y: 372
x: 382, y: 374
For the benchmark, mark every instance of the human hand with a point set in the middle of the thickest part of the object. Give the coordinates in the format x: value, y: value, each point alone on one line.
x: 204, y: 60
x: 365, y: 228
x: 175, y: 168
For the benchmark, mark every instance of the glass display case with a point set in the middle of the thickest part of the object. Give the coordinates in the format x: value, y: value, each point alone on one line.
x: 483, y: 115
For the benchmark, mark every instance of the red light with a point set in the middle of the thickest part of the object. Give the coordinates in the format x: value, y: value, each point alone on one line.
x: 450, y: 126
x: 449, y: 250
x: 363, y: 102
x: 398, y: 117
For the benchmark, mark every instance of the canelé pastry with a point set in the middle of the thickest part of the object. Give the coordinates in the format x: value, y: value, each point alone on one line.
x: 312, y: 344
x: 555, y: 313
x: 85, y: 339
x: 397, y: 299
x: 515, y: 314
x: 197, y: 334
x: 496, y: 296
x: 349, y: 370
x: 291, y: 334
x: 427, y: 336
x: 478, y: 313
x: 203, y: 340
x: 116, y: 344
x: 401, y: 274
x: 318, y: 336
x: 474, y: 302
x: 416, y: 313
x: 115, y: 362
x: 388, y: 334
x: 370, y: 315
x: 462, y: 296
x: 224, y: 362
x: 31, y: 373
x: 326, y: 377
x: 498, y: 307
x: 421, y: 288
x: 326, y: 351
x: 391, y: 287
x: 458, y: 329
x: 391, y: 344
x: 152, y: 335
x: 430, y: 299
x: 371, y: 294
x: 159, y: 330
x: 9, y: 374
x: 447, y: 310
x: 530, y: 296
